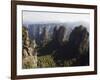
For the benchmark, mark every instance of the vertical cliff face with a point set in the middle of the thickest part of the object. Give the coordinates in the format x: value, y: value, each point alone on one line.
x: 43, y: 33
x: 44, y: 36
x: 29, y: 55
x: 58, y: 34
x: 78, y: 45
x: 79, y: 39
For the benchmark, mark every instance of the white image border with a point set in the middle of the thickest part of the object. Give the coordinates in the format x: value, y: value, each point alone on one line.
x: 21, y: 71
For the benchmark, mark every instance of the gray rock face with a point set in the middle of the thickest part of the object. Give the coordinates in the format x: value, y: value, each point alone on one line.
x: 29, y: 55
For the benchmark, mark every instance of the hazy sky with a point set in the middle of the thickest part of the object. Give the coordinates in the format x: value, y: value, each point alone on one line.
x: 35, y: 17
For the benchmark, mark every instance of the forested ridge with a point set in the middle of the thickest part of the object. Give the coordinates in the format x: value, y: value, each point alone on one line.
x: 55, y: 48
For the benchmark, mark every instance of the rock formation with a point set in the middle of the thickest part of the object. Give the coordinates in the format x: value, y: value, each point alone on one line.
x: 79, y: 39
x: 29, y: 54
x: 78, y: 45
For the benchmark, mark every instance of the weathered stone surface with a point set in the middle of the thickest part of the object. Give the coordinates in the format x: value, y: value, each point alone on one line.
x: 25, y: 54
x: 29, y: 57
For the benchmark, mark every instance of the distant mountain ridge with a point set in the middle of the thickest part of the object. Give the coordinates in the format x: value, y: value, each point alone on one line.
x: 36, y: 29
x: 68, y: 24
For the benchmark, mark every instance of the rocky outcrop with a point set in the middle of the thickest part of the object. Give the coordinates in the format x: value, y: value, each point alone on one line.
x: 29, y: 54
x: 78, y: 45
x: 79, y: 39
x: 44, y: 36
x: 58, y: 34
